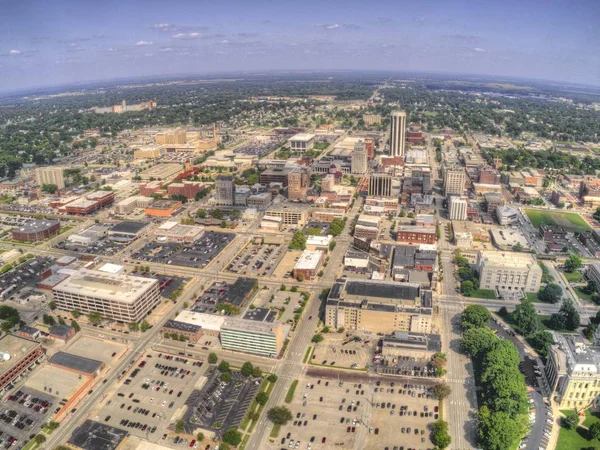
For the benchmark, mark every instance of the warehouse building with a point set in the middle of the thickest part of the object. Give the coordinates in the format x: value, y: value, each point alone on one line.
x: 36, y: 230
x: 17, y: 354
x: 126, y: 231
x: 161, y: 172
x: 123, y: 298
x: 77, y: 364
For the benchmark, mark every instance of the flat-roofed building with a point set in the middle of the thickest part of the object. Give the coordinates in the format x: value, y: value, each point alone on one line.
x: 225, y: 190
x: 507, y: 215
x: 254, y: 337
x: 367, y: 227
x: 35, y: 230
x: 318, y: 243
x: 290, y: 214
x: 302, y: 142
x: 191, y: 332
x: 380, y: 185
x: 378, y: 306
x: 270, y: 223
x: 372, y: 119
x: 130, y: 204
x: 260, y: 201
x: 90, y: 203
x: 188, y: 189
x: 177, y: 136
x: 126, y: 231
x: 163, y: 208
x: 17, y: 354
x: 420, y: 346
x: 298, y: 182
x: 308, y: 264
x: 276, y: 175
x: 454, y: 179
x: 508, y: 271
x: 463, y: 239
x: 458, y: 207
x: 175, y: 232
x: 161, y: 172
x: 209, y: 323
x: 123, y: 298
x: 415, y: 235
x: 89, y: 235
x: 50, y: 175
x: 507, y: 239
x: 152, y: 152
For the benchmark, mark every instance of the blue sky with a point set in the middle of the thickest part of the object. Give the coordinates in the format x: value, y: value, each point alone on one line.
x: 53, y: 42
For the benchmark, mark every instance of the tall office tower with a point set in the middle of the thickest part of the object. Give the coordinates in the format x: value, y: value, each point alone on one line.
x: 225, y: 189
x: 360, y: 158
x: 397, y: 133
x: 298, y: 182
x: 454, y: 179
x: 50, y: 175
x: 458, y: 207
x: 380, y: 185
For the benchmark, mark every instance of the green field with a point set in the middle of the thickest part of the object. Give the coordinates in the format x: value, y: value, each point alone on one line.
x: 581, y: 294
x: 573, y: 277
x: 576, y: 439
x: 570, y: 221
x: 484, y: 293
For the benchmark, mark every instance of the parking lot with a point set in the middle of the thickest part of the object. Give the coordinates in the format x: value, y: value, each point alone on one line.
x: 22, y: 415
x: 103, y: 246
x: 355, y: 412
x: 339, y: 350
x: 322, y: 226
x: 257, y: 259
x: 274, y: 298
x: 197, y: 255
x: 220, y: 406
x: 26, y: 275
x: 151, y: 397
x: 166, y: 284
x: 222, y: 292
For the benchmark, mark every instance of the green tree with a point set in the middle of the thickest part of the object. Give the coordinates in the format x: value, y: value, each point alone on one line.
x: 441, y: 391
x: 95, y: 318
x: 570, y: 421
x: 541, y: 342
x: 212, y: 358
x: 467, y: 288
x: 525, y: 317
x: 572, y: 319
x: 262, y: 398
x: 144, y: 326
x: 279, y: 415
x: 217, y: 213
x: 224, y: 367
x: 49, y: 188
x: 179, y: 426
x: 336, y: 227
x: 460, y: 260
x: 573, y: 263
x: 200, y: 437
x: 232, y: 437
x: 226, y: 377
x: 298, y: 241
x: 497, y: 430
x: 466, y: 274
x: 75, y: 326
x: 246, y: 369
x: 517, y: 247
x: 439, y: 434
x: 133, y: 326
x: 256, y: 372
x: 475, y: 316
x: 39, y: 439
x: 300, y: 277
x: 594, y: 431
x: 552, y: 293
x: 476, y: 341
x: 48, y: 320
x: 558, y: 321
x: 201, y: 213
x: 76, y: 313
x: 317, y: 338
x: 272, y: 378
x: 52, y: 305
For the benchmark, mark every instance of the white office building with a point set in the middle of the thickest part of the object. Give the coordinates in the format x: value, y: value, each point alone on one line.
x: 458, y: 207
x: 397, y: 133
x: 360, y: 159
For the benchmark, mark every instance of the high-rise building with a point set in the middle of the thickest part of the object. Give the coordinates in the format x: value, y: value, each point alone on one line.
x: 397, y: 133
x: 225, y: 189
x: 380, y: 185
x: 359, y: 159
x: 370, y: 145
x: 298, y: 182
x: 50, y: 175
x: 458, y: 207
x: 454, y: 179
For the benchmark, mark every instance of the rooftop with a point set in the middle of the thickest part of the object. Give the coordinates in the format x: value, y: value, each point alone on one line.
x: 60, y: 329
x: 302, y: 137
x: 97, y: 436
x: 261, y: 315
x: 252, y: 326
x: 309, y: 260
x: 15, y: 346
x: 35, y: 226
x: 182, y: 326
x: 206, y: 321
x: 382, y: 289
x: 74, y: 362
x: 128, y: 227
x: 163, y: 204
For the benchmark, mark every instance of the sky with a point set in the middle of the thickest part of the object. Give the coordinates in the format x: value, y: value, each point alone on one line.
x: 55, y: 42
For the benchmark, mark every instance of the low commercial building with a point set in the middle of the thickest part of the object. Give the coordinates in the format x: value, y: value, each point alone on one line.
x: 356, y: 259
x: 319, y: 243
x: 163, y: 208
x: 507, y: 239
x: 126, y: 231
x: 367, y: 227
x: 573, y: 372
x: 61, y: 332
x: 415, y: 235
x: 508, y: 271
x: 309, y: 264
x: 327, y: 215
x: 161, y: 172
x: 379, y: 306
x: 123, y: 298
x: 88, y: 236
x: 250, y: 336
x: 175, y: 232
x: 115, y: 269
x: 90, y: 203
x: 463, y: 239
x: 507, y: 215
x: 210, y: 324
x: 97, y: 436
x: 130, y: 204
x: 420, y: 346
x: 270, y: 223
x: 36, y: 230
x: 17, y: 354
x: 192, y: 332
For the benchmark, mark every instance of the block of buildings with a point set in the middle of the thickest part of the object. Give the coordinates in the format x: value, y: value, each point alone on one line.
x: 130, y: 204
x: 35, y: 230
x: 309, y: 264
x: 90, y: 203
x: 411, y: 234
x: 163, y: 208
x: 290, y: 214
x: 151, y: 187
x: 493, y: 200
x: 378, y: 306
x: 508, y: 271
x: 188, y: 189
x: 123, y: 298
x: 17, y: 354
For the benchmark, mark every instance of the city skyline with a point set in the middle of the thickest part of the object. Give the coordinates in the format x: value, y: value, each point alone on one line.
x: 63, y: 42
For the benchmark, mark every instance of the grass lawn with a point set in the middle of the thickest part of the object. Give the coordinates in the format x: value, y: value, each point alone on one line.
x: 590, y: 417
x: 573, y: 277
x: 290, y: 393
x: 275, y: 431
x: 582, y: 295
x: 533, y: 297
x: 575, y: 439
x: 484, y: 293
x: 570, y: 221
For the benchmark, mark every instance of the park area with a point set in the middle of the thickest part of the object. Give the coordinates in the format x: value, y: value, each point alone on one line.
x: 571, y: 222
x: 578, y: 437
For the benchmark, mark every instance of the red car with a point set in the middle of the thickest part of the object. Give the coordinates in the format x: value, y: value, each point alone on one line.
x: 323, y: 440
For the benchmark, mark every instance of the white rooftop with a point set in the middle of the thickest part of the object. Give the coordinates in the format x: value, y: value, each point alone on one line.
x: 309, y: 260
x: 302, y: 137
x: 211, y: 322
x: 111, y: 268
x: 319, y: 240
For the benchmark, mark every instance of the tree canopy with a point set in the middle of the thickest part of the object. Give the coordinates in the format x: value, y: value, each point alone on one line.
x: 475, y: 316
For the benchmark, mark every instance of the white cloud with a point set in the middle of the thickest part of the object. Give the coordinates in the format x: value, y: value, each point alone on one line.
x: 332, y: 26
x: 224, y: 41
x: 339, y: 26
x: 194, y: 35
x: 166, y: 49
x: 143, y: 43
x: 163, y: 26
x: 479, y: 49
x: 14, y: 52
